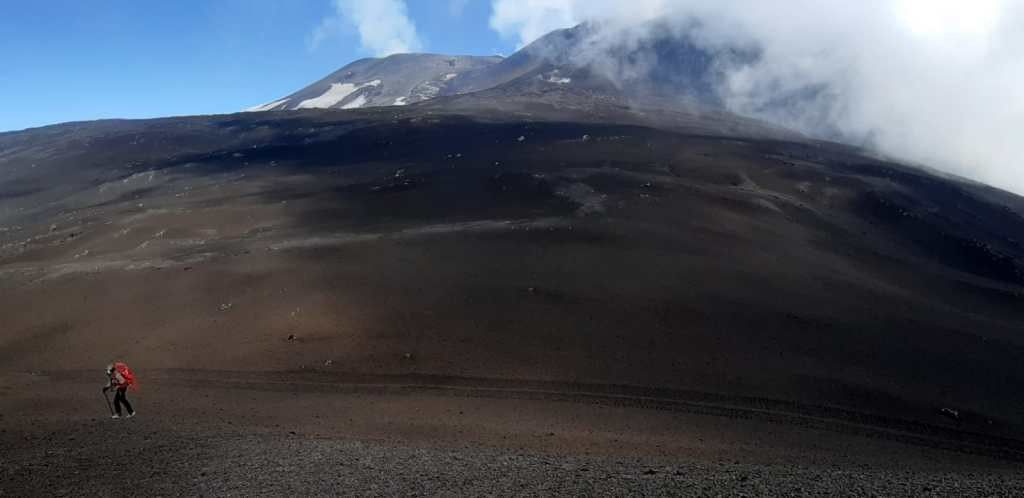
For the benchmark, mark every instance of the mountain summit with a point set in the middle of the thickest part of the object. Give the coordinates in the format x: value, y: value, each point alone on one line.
x: 394, y: 80
x: 663, y: 66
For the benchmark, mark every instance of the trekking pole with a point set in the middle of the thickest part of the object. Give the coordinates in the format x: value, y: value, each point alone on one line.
x: 109, y: 406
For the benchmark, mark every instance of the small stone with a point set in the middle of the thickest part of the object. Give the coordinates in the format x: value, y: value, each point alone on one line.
x: 950, y: 413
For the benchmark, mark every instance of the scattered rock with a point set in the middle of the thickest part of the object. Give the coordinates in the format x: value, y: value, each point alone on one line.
x: 586, y: 138
x: 397, y: 184
x: 407, y: 356
x: 225, y: 306
x: 291, y: 337
x: 521, y: 138
x: 328, y: 363
x: 950, y: 413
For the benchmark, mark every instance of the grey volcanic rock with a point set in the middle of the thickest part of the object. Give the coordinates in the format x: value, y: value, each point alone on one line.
x: 651, y: 60
x: 655, y: 66
x: 395, y: 80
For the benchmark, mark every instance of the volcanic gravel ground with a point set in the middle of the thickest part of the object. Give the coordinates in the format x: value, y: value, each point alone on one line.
x: 295, y: 438
x: 245, y: 465
x: 529, y: 288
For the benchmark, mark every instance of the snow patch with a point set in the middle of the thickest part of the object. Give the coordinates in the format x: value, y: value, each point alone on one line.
x: 266, y: 107
x: 336, y: 93
x: 355, y: 103
x: 449, y: 76
x: 425, y: 90
x: 400, y: 101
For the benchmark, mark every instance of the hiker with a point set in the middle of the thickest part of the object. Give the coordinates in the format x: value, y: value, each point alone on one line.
x: 121, y: 378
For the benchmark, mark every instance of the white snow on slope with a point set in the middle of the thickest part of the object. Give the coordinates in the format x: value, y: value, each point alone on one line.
x: 266, y: 107
x: 449, y: 76
x: 400, y: 101
x: 336, y: 93
x: 556, y: 79
x: 355, y: 103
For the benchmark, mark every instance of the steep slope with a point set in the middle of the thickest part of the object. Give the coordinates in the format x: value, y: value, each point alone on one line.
x: 395, y: 80
x: 663, y: 68
x: 521, y: 244
x: 655, y: 62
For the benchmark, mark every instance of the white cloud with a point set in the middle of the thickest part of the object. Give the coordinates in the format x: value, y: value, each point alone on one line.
x: 938, y: 81
x: 327, y: 28
x: 384, y: 26
x: 527, y: 20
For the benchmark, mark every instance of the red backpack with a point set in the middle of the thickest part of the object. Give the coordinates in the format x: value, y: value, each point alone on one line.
x: 129, y: 377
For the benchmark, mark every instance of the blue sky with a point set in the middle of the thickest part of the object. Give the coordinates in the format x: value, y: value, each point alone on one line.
x: 70, y: 60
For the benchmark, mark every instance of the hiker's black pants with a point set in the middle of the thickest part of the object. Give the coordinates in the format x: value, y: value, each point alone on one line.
x: 119, y: 399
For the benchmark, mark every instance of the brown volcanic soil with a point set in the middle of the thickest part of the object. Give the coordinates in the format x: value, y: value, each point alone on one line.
x: 272, y: 434
x: 699, y: 286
